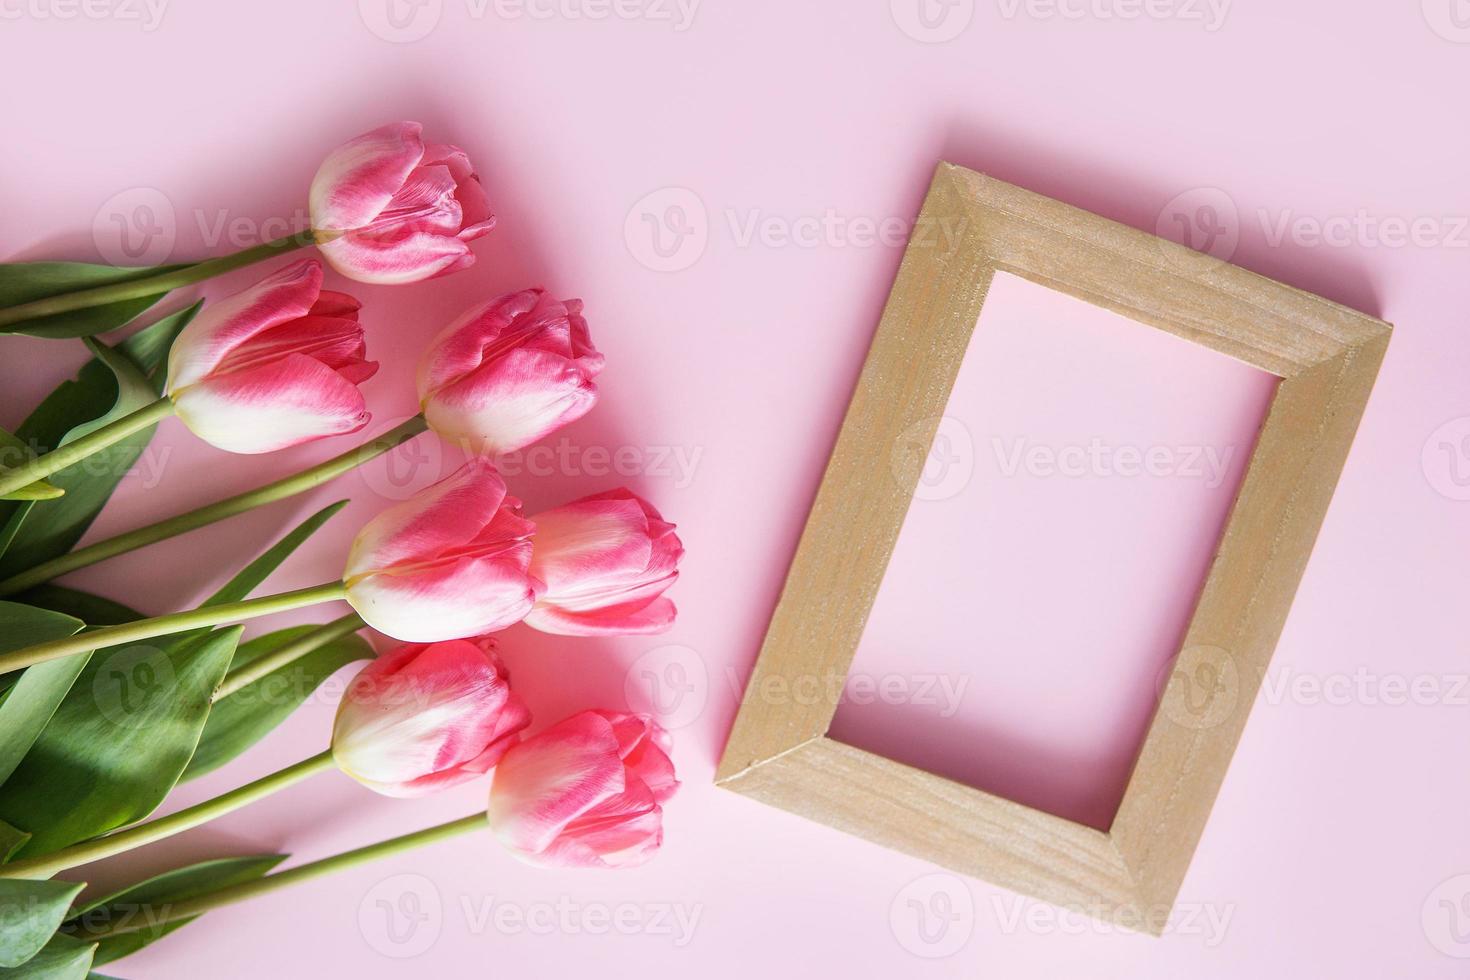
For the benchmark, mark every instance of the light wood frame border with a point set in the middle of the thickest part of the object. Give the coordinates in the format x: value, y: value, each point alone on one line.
x: 1327, y: 357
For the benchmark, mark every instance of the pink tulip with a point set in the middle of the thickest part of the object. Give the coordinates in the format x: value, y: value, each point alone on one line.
x: 273, y: 365
x: 586, y: 793
x: 603, y: 563
x: 448, y: 562
x: 388, y: 208
x: 426, y: 717
x: 509, y: 371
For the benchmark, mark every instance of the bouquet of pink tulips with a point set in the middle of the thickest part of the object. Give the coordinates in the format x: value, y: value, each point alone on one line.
x: 278, y: 364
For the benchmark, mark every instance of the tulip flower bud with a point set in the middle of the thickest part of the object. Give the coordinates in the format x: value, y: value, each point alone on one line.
x: 586, y: 793
x: 272, y: 366
x: 427, y: 716
x: 388, y: 208
x: 603, y: 563
x: 448, y: 562
x: 509, y: 371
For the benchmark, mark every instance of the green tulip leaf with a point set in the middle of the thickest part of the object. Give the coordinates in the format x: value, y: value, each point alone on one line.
x: 23, y: 282
x: 11, y: 838
x: 35, y: 695
x: 119, y: 741
x: 134, y: 390
x: 62, y: 958
x: 94, y: 610
x: 260, y: 569
x: 30, y: 912
x: 14, y: 452
x: 148, y: 901
x: 246, y: 717
x: 22, y: 625
x: 118, y: 381
x: 243, y: 718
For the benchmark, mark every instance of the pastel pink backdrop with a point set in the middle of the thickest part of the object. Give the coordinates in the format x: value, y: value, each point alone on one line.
x: 1341, y: 825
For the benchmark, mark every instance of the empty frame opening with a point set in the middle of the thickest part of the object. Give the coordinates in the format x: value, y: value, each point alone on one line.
x: 1050, y: 560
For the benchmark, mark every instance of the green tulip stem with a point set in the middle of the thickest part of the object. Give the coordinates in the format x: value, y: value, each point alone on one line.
x: 153, y: 285
x: 210, y: 513
x: 208, y: 901
x: 291, y: 652
x: 79, y: 449
x: 147, y: 629
x: 137, y: 835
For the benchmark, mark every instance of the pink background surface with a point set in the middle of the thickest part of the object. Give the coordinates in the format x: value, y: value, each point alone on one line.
x: 1301, y: 139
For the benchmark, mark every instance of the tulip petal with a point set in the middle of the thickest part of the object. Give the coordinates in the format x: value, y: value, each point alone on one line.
x: 474, y: 204
x: 584, y: 544
x: 460, y: 347
x: 358, y: 179
x: 227, y: 323
x: 422, y: 718
x: 425, y: 202
x: 634, y: 619
x: 623, y: 831
x: 509, y: 371
x: 465, y: 597
x: 329, y: 302
x: 648, y: 758
x: 272, y: 406
x: 509, y: 403
x: 336, y: 342
x: 604, y: 563
x: 411, y: 257
x: 435, y: 520
x: 545, y: 783
x: 450, y: 561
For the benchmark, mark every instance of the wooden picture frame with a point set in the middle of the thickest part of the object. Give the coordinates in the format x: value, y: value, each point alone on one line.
x: 1326, y: 356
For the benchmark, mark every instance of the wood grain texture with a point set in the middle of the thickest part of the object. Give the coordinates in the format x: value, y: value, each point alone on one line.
x: 1327, y: 355
x: 1240, y: 615
x: 1271, y: 326
x: 931, y: 817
